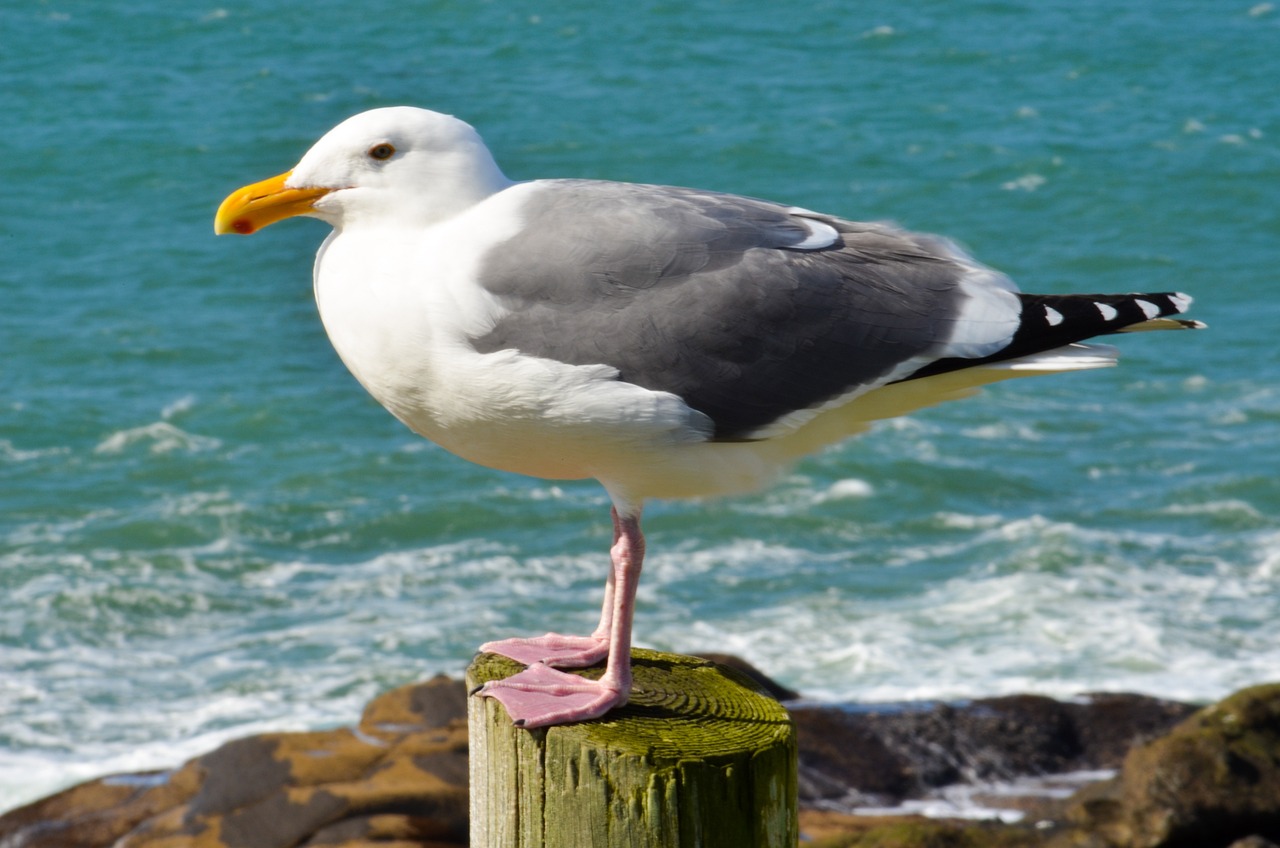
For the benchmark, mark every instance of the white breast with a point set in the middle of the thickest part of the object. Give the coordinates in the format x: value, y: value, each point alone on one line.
x: 401, y: 306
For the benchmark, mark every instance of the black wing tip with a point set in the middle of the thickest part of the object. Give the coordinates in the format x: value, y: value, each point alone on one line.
x: 1183, y: 302
x: 1083, y: 315
x: 1168, y: 304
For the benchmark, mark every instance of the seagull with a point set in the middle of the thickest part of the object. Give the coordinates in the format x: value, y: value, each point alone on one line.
x: 667, y: 342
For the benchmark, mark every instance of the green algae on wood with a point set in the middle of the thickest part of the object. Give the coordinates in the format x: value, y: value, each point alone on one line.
x: 699, y: 757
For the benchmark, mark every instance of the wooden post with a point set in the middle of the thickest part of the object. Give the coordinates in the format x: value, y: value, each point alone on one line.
x: 697, y: 758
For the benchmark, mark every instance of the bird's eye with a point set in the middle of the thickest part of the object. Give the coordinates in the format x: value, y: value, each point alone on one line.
x: 382, y: 151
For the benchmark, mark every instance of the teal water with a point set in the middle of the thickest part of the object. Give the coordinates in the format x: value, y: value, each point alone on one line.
x: 206, y: 528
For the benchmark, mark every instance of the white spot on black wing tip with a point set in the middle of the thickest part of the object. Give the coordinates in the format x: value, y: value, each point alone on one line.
x: 1053, y: 316
x: 1181, y: 302
x: 1108, y: 313
x: 1148, y: 308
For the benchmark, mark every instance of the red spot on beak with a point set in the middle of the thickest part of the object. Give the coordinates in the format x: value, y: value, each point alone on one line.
x: 242, y: 226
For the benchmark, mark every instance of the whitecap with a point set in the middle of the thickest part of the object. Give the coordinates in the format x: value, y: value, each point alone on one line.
x: 11, y: 453
x: 882, y: 31
x: 1048, y: 606
x: 845, y: 489
x: 159, y: 437
x: 1004, y: 431
x: 1026, y: 182
x: 179, y: 406
x: 1230, y: 507
x: 962, y: 521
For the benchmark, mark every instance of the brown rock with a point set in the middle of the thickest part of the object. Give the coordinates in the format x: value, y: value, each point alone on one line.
x: 1214, y: 779
x: 95, y: 813
x: 421, y: 706
x: 398, y: 781
x: 825, y: 829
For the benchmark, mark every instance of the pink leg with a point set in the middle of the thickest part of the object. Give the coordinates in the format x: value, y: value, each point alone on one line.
x: 556, y: 649
x: 540, y: 696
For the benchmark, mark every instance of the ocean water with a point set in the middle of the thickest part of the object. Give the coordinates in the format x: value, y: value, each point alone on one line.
x: 208, y: 530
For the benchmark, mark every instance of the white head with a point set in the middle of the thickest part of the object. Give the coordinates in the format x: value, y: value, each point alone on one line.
x: 394, y: 165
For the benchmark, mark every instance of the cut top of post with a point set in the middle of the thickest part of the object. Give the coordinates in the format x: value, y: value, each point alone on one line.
x: 699, y: 756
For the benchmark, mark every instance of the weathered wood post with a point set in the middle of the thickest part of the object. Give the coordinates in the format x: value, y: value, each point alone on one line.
x: 697, y: 758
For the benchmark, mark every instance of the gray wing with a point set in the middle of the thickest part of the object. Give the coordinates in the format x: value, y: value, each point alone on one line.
x: 748, y: 310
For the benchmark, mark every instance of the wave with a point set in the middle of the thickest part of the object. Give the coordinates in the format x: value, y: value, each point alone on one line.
x: 238, y: 631
x: 158, y: 437
x: 1061, y: 611
x: 11, y: 453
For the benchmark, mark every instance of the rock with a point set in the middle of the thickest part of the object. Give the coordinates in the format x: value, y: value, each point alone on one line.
x: 97, y: 813
x: 845, y: 763
x: 399, y: 780
x: 823, y: 829
x: 1212, y: 780
x: 1109, y: 723
x: 876, y: 755
x: 1253, y: 842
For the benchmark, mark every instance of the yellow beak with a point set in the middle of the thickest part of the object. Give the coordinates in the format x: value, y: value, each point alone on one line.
x: 253, y: 207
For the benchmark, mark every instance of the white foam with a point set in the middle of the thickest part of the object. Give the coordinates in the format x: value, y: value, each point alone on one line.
x: 982, y: 801
x: 1004, y: 430
x: 1089, y: 620
x: 1230, y: 507
x: 1026, y: 182
x: 178, y: 407
x: 950, y: 802
x: 845, y: 489
x: 159, y: 437
x: 11, y: 453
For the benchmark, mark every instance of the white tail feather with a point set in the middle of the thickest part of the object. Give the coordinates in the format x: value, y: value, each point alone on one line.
x: 1073, y: 357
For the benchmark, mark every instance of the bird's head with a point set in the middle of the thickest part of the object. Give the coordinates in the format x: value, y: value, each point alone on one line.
x: 398, y: 164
